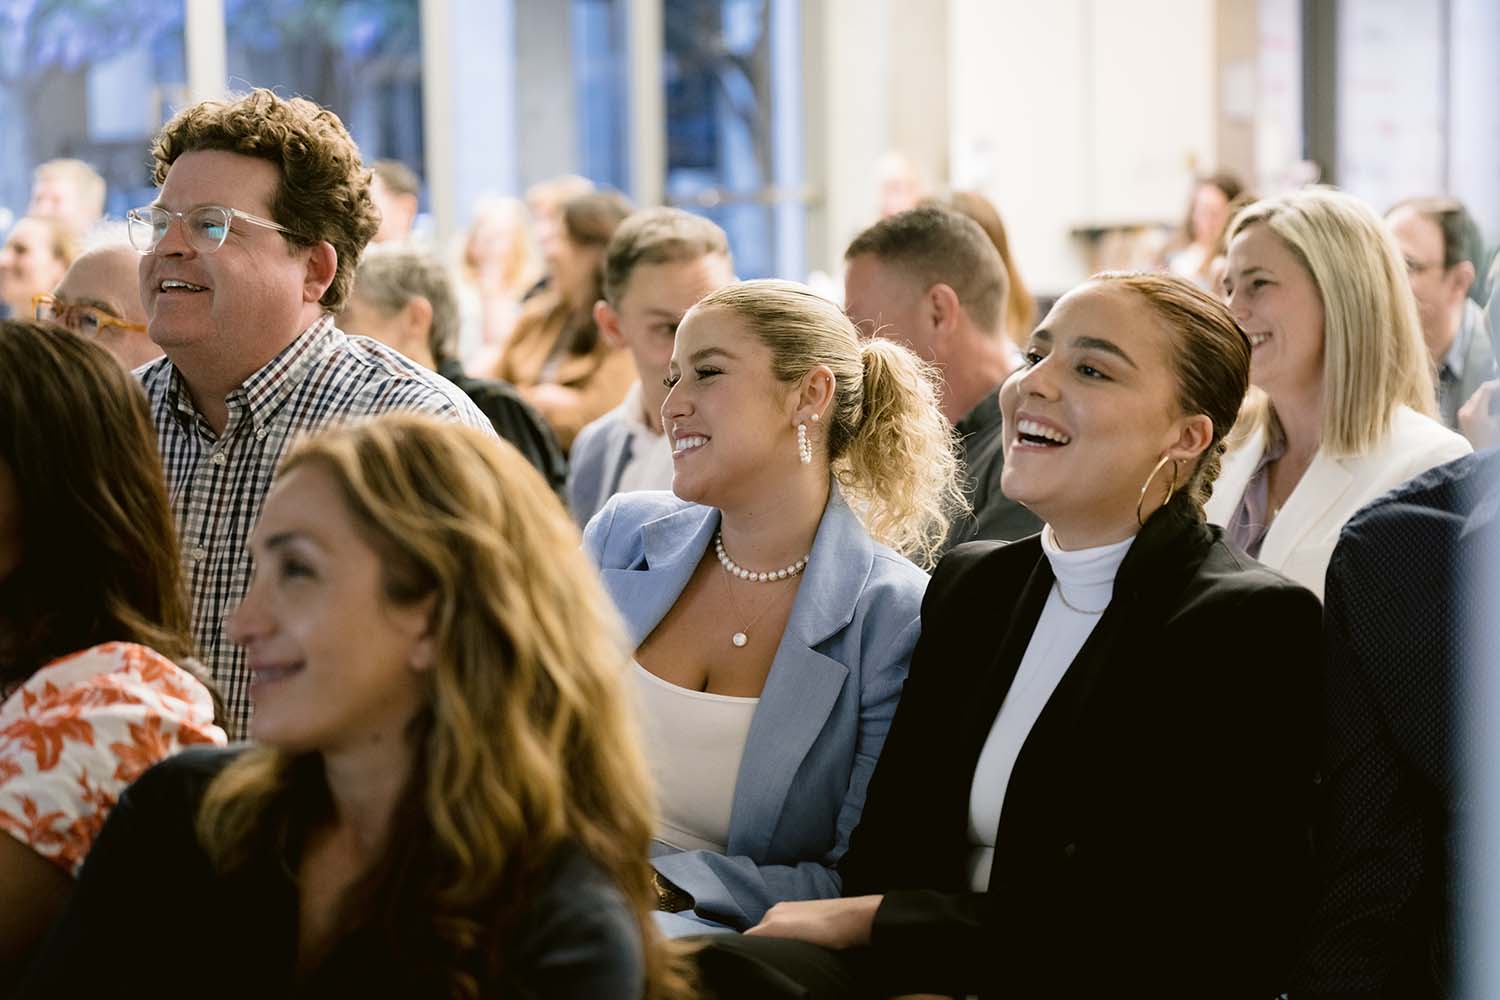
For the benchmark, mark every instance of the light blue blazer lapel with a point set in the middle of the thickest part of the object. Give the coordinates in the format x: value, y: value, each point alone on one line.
x: 672, y: 545
x: 803, y: 684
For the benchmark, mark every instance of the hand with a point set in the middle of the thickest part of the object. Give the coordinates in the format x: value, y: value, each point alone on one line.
x: 831, y: 923
x: 1478, y: 418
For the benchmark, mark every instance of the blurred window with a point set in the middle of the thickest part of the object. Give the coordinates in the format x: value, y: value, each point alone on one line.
x: 732, y: 72
x: 602, y: 87
x: 360, y: 58
x: 92, y: 82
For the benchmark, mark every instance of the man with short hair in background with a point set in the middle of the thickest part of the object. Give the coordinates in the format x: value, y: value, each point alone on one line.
x: 70, y: 191
x: 929, y: 278
x: 658, y: 264
x: 249, y: 250
x: 1439, y: 240
x: 396, y: 191
x: 100, y: 297
x: 405, y: 300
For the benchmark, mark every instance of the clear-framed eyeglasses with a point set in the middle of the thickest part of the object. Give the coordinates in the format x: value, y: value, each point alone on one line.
x: 206, y: 227
x: 87, y: 320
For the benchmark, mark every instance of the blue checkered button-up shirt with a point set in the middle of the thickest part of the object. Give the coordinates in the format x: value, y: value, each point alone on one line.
x: 217, y: 483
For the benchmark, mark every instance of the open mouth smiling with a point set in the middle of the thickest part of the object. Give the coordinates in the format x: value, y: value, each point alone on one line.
x: 1033, y: 434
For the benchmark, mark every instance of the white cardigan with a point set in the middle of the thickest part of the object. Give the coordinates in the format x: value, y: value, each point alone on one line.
x: 1301, y: 539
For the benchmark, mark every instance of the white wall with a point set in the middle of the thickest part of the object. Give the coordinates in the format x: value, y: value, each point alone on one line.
x: 876, y: 82
x: 1078, y: 113
x: 1390, y: 99
x: 846, y: 120
x: 1474, y: 111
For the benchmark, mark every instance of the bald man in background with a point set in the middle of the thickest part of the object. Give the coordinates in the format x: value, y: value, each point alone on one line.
x: 100, y: 297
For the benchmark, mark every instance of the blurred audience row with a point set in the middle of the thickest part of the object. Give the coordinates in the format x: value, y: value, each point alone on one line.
x: 919, y: 646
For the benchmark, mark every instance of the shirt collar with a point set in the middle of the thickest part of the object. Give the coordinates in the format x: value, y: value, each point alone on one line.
x: 1274, y: 450
x: 262, y: 393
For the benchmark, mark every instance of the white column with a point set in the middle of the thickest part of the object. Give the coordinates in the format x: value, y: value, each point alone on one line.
x: 1473, y: 111
x: 207, y: 49
x: 468, y: 106
x: 788, y: 174
x: 645, y: 42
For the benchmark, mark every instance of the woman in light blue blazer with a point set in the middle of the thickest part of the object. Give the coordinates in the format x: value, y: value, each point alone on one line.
x: 771, y: 612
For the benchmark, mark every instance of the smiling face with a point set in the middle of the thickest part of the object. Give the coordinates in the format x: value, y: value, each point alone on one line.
x: 732, y: 424
x: 1439, y: 290
x: 28, y: 266
x: 1090, y: 414
x: 1210, y: 213
x: 335, y: 662
x: 237, y: 307
x: 1275, y: 301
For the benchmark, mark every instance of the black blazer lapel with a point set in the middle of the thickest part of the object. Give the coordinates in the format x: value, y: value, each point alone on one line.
x: 1163, y: 557
x: 1000, y: 668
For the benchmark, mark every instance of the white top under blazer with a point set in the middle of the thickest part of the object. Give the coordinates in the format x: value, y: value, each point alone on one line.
x: 1085, y: 579
x: 1300, y: 540
x: 694, y: 741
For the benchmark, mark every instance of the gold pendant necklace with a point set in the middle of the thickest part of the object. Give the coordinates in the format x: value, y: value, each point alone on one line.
x: 1070, y: 605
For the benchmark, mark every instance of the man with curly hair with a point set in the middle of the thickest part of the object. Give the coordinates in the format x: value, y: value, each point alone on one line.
x: 248, y: 252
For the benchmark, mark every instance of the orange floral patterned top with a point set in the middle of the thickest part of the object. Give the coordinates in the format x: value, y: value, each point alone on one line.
x: 80, y: 730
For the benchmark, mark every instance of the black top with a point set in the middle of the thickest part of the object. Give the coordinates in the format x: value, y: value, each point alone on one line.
x: 1153, y: 836
x: 150, y: 913
x: 514, y: 420
x: 1400, y: 607
x: 996, y: 517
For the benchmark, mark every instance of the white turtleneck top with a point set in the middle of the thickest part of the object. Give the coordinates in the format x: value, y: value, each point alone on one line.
x: 1086, y: 578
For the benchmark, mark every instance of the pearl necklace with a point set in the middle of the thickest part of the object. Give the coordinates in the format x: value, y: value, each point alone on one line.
x: 735, y: 569
x: 732, y: 568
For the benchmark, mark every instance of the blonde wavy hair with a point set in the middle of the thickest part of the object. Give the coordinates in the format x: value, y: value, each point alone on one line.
x: 889, y: 445
x: 1374, y: 358
x: 526, y: 745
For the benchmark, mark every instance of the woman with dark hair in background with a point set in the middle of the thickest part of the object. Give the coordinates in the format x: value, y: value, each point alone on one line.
x: 555, y: 356
x: 95, y: 684
x: 1105, y: 792
x: 1207, y: 215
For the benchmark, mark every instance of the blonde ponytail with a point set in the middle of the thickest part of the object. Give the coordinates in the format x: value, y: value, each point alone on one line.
x: 889, y: 445
x: 899, y: 466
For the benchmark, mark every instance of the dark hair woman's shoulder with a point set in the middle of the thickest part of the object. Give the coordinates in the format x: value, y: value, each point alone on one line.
x: 992, y: 573
x: 183, y: 777
x: 579, y: 937
x: 985, y: 557
x: 1230, y: 577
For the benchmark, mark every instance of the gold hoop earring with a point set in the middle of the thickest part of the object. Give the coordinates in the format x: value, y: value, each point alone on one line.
x: 1171, y: 488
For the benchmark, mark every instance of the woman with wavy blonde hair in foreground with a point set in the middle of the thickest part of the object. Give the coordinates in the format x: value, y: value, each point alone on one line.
x: 445, y: 798
x: 768, y: 598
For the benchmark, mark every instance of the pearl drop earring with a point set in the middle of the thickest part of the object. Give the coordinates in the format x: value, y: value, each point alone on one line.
x: 804, y: 450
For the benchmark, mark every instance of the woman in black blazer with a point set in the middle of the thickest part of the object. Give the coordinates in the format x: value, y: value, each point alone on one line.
x: 1136, y: 694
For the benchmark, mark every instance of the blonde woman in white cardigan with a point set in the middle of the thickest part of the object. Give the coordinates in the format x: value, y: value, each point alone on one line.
x: 1345, y: 408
